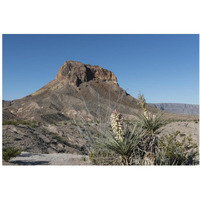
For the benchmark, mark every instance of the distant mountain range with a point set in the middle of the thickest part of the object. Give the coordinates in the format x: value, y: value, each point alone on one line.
x: 178, y: 108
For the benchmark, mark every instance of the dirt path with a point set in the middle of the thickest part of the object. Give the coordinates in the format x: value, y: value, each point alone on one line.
x: 26, y: 158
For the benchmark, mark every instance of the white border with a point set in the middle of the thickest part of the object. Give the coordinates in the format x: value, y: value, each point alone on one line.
x: 48, y: 182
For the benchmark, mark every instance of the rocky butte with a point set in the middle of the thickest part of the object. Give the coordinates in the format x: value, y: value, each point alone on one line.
x: 77, y: 73
x: 78, y: 90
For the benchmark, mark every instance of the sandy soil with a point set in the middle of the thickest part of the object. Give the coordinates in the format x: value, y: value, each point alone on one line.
x: 184, y: 127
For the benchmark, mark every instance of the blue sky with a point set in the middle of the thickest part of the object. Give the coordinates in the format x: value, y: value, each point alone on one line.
x: 165, y: 68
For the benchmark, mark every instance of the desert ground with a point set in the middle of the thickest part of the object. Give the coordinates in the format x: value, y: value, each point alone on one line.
x: 27, y: 158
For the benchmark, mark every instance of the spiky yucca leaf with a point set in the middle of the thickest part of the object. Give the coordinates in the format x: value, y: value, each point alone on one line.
x: 124, y: 148
x: 151, y: 124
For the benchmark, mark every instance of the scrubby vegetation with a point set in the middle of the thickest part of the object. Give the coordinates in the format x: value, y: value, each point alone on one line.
x: 141, y: 144
x: 10, y: 152
x: 176, y: 149
x: 31, y: 124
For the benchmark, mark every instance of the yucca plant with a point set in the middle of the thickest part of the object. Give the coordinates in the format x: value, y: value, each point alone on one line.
x: 142, y: 102
x: 150, y: 124
x: 148, y: 121
x: 124, y: 148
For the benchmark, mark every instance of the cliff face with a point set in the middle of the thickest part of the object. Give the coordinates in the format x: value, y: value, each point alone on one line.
x: 77, y: 73
x: 178, y: 108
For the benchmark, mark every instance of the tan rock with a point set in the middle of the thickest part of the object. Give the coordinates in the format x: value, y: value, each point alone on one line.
x: 77, y: 73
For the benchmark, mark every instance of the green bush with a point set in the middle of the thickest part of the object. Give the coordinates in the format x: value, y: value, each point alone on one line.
x: 59, y: 138
x: 176, y: 149
x: 104, y: 157
x: 32, y: 124
x: 10, y: 152
x: 10, y: 122
x: 83, y: 159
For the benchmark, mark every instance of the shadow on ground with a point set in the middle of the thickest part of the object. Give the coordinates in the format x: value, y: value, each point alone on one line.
x: 19, y: 162
x: 25, y: 155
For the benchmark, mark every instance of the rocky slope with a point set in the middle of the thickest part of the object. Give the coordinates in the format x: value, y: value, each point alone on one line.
x: 177, y: 108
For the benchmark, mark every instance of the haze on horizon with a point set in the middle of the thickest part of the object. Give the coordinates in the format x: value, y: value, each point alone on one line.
x: 165, y: 68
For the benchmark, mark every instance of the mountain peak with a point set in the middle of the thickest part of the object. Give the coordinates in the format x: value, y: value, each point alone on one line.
x: 76, y: 73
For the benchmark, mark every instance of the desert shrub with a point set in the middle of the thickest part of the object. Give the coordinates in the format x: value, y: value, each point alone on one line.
x: 58, y: 138
x: 53, y: 122
x: 176, y: 149
x: 54, y: 117
x: 32, y: 124
x: 104, y: 157
x: 73, y: 123
x: 10, y: 152
x: 83, y: 159
x: 9, y: 122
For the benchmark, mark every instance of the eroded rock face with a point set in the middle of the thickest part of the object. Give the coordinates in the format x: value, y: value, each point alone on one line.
x: 77, y: 73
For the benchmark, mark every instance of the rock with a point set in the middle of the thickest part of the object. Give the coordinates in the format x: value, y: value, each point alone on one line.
x: 44, y: 138
x: 77, y: 73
